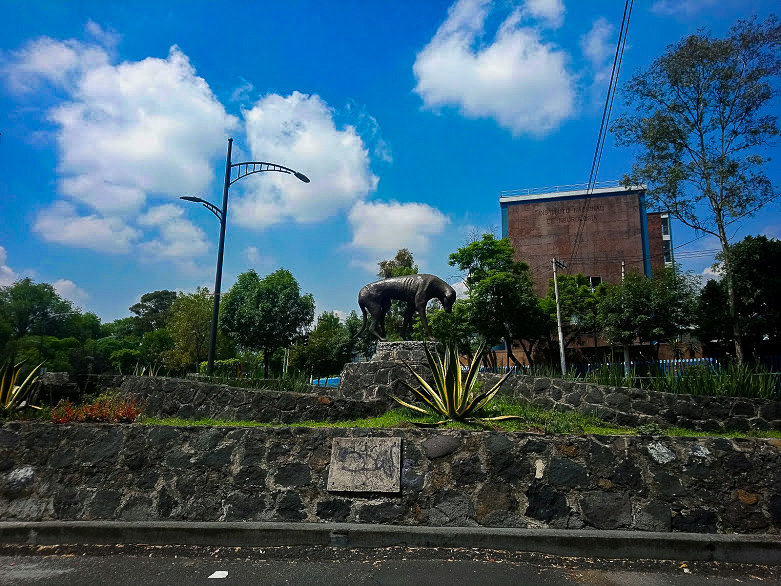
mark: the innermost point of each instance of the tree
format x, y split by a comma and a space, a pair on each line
266, 314
578, 308
152, 310
29, 307
501, 297
190, 325
326, 349
657, 309
699, 123
401, 264
756, 270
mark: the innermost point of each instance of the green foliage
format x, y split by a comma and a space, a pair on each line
230, 368
502, 302
402, 264
189, 323
326, 350
756, 274
266, 314
14, 397
291, 383
125, 360
30, 307
452, 395
152, 310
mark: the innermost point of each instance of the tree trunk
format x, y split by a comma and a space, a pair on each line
528, 351
733, 312
509, 342
265, 362
626, 360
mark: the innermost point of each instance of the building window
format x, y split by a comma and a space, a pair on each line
665, 225
668, 253
594, 282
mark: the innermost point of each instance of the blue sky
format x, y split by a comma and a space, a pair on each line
408, 117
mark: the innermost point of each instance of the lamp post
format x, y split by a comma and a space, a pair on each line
244, 169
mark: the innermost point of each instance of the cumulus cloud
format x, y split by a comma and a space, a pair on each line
178, 239
60, 223
680, 7
381, 229
255, 258
710, 273
599, 50
298, 131
518, 79
7, 275
549, 11
67, 289
126, 133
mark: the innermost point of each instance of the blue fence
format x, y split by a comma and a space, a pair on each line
331, 381
771, 363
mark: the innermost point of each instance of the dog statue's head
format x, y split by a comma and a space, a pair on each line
448, 298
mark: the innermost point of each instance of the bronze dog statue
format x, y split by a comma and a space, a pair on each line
417, 290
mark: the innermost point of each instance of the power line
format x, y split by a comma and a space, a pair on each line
611, 92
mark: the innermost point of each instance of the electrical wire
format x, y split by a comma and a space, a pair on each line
620, 45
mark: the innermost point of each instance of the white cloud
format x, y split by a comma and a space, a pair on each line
7, 275
519, 80
460, 288
126, 133
709, 273
680, 7
381, 229
141, 128
255, 258
61, 224
67, 289
298, 131
598, 49
178, 239
550, 11
44, 59
242, 93
106, 37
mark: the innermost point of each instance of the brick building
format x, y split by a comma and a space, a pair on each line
610, 224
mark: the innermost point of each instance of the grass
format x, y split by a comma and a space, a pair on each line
533, 420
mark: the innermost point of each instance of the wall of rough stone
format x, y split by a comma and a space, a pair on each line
448, 478
188, 399
379, 379
634, 407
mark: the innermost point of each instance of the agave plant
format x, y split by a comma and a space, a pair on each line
13, 397
452, 395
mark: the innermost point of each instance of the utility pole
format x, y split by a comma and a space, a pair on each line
557, 264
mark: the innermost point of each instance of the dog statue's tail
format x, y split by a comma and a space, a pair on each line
365, 320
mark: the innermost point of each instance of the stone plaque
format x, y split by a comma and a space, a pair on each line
365, 464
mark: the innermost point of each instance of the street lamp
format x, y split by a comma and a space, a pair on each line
244, 169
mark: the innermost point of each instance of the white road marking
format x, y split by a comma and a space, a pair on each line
219, 574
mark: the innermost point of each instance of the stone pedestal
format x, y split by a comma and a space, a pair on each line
381, 377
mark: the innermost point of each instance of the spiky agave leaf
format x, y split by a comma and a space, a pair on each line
12, 396
451, 394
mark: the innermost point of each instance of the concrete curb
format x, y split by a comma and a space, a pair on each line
748, 549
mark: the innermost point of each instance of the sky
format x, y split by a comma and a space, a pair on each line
408, 117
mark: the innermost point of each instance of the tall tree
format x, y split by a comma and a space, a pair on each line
31, 308
266, 314
700, 123
326, 349
152, 310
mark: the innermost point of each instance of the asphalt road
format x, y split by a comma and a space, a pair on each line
314, 566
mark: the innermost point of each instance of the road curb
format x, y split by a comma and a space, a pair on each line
749, 549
